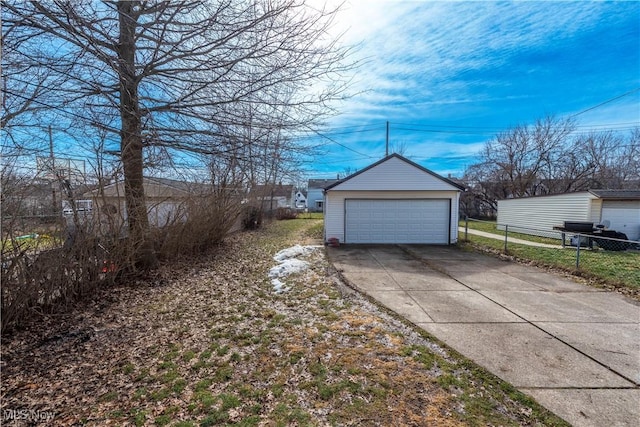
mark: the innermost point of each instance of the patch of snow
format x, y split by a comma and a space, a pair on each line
287, 267
289, 264
278, 286
294, 251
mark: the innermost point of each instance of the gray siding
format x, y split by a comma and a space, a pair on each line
313, 194
548, 211
392, 178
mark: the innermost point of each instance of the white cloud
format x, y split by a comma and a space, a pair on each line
476, 64
415, 46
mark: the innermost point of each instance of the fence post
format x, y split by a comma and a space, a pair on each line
466, 228
578, 252
506, 233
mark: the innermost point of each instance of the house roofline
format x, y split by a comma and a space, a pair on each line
148, 179
404, 159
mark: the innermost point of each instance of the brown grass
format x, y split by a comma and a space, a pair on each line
207, 342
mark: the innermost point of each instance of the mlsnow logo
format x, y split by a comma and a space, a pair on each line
33, 415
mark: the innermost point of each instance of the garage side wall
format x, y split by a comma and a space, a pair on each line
545, 212
334, 219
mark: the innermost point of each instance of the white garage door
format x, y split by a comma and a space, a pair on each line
623, 216
397, 221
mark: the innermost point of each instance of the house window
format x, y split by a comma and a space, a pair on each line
319, 204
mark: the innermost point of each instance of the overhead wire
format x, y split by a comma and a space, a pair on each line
400, 126
605, 102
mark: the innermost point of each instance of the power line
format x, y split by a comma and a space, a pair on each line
348, 148
469, 130
498, 129
605, 102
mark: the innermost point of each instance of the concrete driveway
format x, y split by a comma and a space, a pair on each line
574, 348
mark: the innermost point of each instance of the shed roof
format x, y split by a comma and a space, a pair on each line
603, 194
616, 194
403, 159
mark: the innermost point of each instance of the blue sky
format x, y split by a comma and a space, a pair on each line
450, 75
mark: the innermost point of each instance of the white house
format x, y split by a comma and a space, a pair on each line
392, 201
300, 200
619, 210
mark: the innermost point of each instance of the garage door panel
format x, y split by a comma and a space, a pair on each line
397, 221
623, 216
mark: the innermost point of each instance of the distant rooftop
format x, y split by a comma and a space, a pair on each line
272, 190
321, 183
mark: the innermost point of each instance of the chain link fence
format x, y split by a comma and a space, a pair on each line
560, 239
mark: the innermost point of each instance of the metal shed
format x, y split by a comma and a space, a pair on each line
618, 209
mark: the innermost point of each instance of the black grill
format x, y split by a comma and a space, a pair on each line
578, 227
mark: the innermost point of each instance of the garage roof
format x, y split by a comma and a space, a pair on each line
408, 162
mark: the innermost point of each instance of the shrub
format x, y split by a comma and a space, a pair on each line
47, 280
202, 223
286, 213
46, 275
251, 218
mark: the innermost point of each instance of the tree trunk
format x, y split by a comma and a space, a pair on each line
131, 140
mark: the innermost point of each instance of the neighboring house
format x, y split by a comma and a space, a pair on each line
29, 197
315, 193
393, 201
300, 201
273, 196
40, 197
165, 199
619, 210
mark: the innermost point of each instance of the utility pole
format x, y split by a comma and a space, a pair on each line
386, 151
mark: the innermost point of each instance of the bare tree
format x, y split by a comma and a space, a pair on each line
400, 147
170, 72
346, 172
549, 157
523, 157
629, 160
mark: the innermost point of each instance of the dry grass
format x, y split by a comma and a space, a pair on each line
207, 342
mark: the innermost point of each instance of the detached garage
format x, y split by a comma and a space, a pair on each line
392, 201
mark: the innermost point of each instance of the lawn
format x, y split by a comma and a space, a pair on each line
491, 227
310, 215
619, 270
208, 342
30, 243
